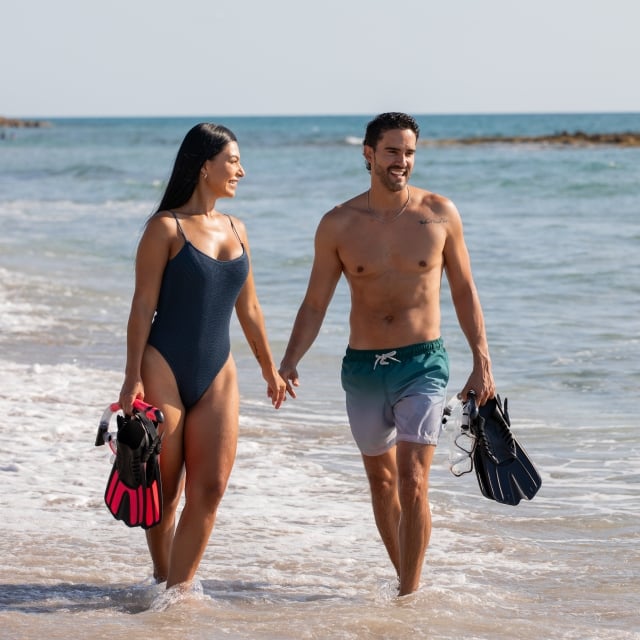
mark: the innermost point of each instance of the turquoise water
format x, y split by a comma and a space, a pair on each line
554, 236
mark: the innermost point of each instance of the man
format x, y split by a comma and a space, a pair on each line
392, 244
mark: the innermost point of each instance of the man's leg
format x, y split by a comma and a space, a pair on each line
413, 466
383, 481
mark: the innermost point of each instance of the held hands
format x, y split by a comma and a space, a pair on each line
290, 376
276, 388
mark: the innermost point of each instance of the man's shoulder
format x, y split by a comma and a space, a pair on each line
344, 211
436, 202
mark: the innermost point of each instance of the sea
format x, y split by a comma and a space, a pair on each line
554, 237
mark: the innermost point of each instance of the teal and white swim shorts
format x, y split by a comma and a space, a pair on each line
396, 395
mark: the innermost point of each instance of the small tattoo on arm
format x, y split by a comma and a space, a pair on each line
433, 221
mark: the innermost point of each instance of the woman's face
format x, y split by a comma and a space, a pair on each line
224, 171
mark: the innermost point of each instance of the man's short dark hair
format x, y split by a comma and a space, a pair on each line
388, 122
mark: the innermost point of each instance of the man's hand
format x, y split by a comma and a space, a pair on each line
290, 376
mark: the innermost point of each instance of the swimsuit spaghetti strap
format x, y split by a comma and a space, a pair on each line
175, 217
234, 230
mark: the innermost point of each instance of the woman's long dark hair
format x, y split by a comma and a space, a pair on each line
203, 142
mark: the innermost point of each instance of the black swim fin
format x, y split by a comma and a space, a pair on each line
503, 469
134, 488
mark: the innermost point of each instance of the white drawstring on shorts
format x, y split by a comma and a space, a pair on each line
383, 358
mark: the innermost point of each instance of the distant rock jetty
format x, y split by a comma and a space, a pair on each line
577, 138
15, 123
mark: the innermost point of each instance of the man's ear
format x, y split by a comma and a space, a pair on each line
368, 153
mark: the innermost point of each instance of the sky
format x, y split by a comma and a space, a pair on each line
301, 57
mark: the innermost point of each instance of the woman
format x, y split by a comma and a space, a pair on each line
192, 268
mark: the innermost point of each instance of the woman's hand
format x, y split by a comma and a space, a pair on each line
131, 389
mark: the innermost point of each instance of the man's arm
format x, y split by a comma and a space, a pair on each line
468, 309
325, 274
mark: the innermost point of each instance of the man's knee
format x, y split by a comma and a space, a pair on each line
412, 487
382, 483
381, 474
413, 473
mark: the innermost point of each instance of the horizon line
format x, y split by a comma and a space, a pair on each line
311, 115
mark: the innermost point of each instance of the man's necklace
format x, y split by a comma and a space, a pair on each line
395, 216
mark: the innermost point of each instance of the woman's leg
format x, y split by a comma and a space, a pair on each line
210, 441
161, 391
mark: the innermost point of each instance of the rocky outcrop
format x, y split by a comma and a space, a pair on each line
577, 138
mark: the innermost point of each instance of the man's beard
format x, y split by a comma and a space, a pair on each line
391, 183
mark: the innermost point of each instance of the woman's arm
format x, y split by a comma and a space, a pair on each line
251, 320
151, 258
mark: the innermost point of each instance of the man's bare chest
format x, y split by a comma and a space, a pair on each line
368, 254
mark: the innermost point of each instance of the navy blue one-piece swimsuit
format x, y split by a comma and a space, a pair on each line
191, 325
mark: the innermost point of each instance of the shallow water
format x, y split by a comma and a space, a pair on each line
553, 236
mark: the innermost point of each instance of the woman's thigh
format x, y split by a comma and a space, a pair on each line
211, 432
161, 390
